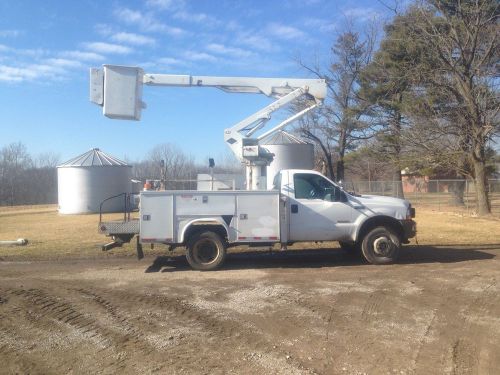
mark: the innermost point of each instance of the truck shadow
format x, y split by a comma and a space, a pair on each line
319, 258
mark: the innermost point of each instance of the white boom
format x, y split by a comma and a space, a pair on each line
118, 89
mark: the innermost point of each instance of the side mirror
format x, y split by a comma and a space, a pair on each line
343, 197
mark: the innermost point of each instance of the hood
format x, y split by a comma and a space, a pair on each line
390, 206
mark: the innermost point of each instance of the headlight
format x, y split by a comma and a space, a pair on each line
410, 212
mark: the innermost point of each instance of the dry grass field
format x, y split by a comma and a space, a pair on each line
52, 236
67, 307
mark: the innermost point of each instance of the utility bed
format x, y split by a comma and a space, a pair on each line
249, 216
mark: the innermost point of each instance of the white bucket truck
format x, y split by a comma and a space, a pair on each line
303, 206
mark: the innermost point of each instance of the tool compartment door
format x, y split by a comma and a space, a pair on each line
258, 217
157, 217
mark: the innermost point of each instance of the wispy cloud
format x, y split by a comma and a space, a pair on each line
146, 21
201, 18
361, 14
10, 33
165, 4
284, 31
131, 38
102, 47
103, 29
300, 3
320, 24
169, 61
33, 53
30, 72
63, 63
82, 55
226, 50
254, 40
199, 56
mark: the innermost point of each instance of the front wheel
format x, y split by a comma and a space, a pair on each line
381, 246
206, 251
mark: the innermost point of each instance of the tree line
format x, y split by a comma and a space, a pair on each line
423, 98
28, 180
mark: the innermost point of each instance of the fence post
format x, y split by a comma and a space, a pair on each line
439, 195
467, 195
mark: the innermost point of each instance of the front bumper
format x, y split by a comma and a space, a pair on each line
409, 229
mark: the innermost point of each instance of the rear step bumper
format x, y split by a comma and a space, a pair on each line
112, 228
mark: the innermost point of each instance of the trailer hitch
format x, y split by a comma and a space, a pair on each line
118, 241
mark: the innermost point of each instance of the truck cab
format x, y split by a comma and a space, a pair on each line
320, 210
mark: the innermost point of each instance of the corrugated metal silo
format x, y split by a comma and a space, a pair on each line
86, 180
289, 152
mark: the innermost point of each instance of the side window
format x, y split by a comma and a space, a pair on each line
304, 189
312, 186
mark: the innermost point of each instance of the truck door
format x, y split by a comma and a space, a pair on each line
318, 209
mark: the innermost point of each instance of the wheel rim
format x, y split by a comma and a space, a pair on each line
205, 252
383, 246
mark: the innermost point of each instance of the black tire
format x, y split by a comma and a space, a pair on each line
381, 246
206, 251
351, 248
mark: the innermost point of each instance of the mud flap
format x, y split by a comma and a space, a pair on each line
140, 253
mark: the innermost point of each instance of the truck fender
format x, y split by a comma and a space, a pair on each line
206, 221
378, 220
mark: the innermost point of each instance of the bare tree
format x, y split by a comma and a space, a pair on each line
341, 123
14, 160
165, 161
225, 162
460, 66
47, 160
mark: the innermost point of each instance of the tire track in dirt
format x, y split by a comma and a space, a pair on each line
51, 308
372, 306
14, 351
462, 354
130, 330
216, 328
330, 319
465, 349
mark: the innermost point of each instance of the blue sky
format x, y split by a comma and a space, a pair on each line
47, 48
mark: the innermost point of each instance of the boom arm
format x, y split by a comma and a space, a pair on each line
118, 89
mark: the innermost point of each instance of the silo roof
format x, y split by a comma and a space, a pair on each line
94, 158
281, 138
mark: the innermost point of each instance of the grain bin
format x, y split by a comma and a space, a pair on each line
86, 180
289, 152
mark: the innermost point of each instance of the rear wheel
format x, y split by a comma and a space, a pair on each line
381, 246
206, 251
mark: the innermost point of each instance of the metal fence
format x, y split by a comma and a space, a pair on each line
213, 184
441, 195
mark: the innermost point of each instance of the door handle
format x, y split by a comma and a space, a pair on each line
294, 208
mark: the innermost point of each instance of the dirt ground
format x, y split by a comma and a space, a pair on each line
298, 312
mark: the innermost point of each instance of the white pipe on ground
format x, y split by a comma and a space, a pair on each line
18, 242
